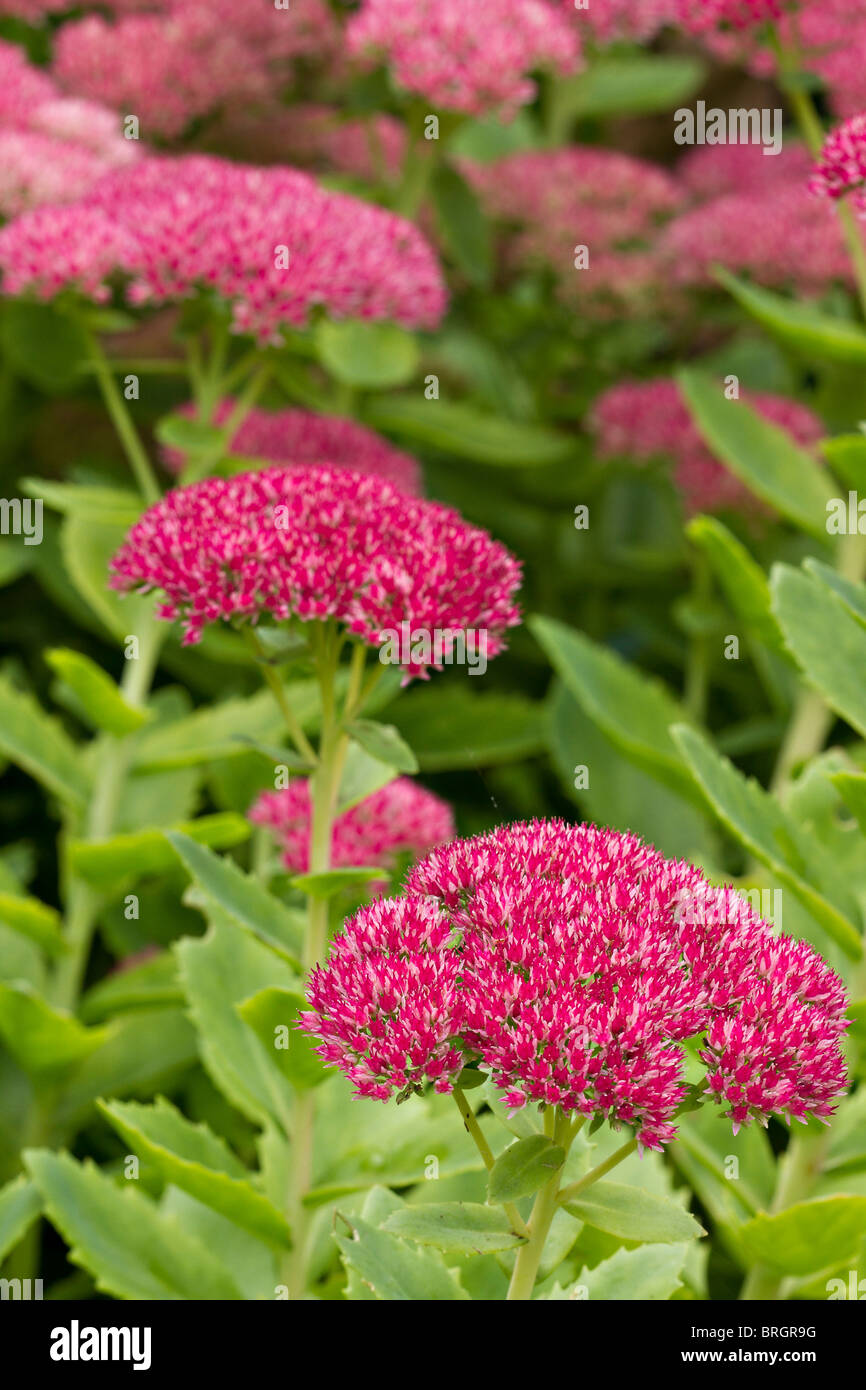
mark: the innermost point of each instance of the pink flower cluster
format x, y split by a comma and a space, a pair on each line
319, 543
700, 15
573, 962
841, 169
300, 437
171, 67
270, 241
52, 150
400, 818
462, 57
611, 203
610, 21
645, 419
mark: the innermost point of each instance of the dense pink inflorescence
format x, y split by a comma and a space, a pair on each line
471, 58
401, 818
319, 543
613, 20
611, 203
573, 961
300, 437
645, 419
700, 15
781, 237
270, 241
712, 171
841, 168
191, 57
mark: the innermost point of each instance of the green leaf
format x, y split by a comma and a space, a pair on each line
88, 546
96, 693
851, 786
649, 1274
20, 1204
223, 730
143, 1052
852, 594
632, 86
33, 919
109, 505
272, 1014
459, 429
462, 225
454, 729
757, 819
48, 348
846, 455
807, 611
37, 743
44, 1041
327, 884
362, 776
152, 983
741, 578
242, 898
523, 1168
220, 971
807, 1236
188, 435
799, 326
761, 454
393, 1270
458, 1228
632, 709
374, 356
128, 858
383, 742
634, 1214
195, 1160
133, 1250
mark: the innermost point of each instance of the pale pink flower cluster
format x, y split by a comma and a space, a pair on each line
841, 168
611, 203
401, 818
572, 963
319, 543
700, 15
642, 420
172, 67
779, 236
52, 150
611, 21
300, 437
711, 171
272, 242
465, 57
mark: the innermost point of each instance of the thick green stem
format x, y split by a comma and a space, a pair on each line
123, 424
200, 465
529, 1256
271, 676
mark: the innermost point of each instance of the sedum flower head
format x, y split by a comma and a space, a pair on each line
300, 437
574, 962
463, 57
645, 419
841, 167
402, 817
320, 543
698, 16
271, 242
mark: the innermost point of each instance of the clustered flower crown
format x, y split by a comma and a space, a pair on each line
573, 962
319, 543
402, 817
